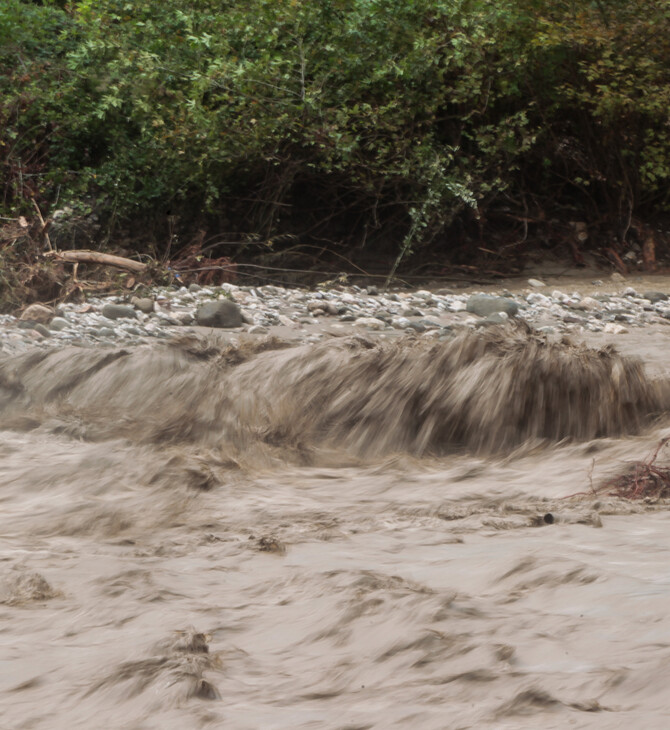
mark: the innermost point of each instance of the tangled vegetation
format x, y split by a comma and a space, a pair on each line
359, 126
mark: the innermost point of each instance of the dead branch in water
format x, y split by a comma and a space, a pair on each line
95, 257
639, 480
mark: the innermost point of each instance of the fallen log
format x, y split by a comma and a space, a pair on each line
95, 257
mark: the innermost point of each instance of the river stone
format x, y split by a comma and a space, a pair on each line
144, 304
222, 314
652, 296
42, 329
614, 329
40, 313
589, 304
493, 319
540, 299
371, 323
536, 283
118, 311
183, 318
58, 323
417, 327
400, 323
484, 305
320, 305
258, 329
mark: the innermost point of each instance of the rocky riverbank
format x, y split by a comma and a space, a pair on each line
613, 308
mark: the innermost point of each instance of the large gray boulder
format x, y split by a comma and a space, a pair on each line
655, 296
484, 305
38, 313
118, 311
223, 313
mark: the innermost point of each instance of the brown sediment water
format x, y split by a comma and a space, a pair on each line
341, 535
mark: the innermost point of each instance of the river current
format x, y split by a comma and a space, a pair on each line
338, 535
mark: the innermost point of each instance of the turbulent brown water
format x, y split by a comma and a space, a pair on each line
341, 535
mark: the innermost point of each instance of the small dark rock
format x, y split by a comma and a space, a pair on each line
204, 690
222, 313
270, 544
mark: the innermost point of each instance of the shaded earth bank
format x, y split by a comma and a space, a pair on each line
344, 534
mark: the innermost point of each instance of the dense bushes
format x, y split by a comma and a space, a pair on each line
348, 118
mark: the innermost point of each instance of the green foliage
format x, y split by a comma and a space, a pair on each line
427, 107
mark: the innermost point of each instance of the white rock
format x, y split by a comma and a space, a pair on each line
536, 283
458, 306
183, 317
558, 294
537, 298
371, 323
590, 303
614, 329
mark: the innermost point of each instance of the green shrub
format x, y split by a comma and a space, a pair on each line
418, 111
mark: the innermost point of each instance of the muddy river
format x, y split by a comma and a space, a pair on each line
342, 535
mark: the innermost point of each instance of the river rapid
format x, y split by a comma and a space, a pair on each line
347, 534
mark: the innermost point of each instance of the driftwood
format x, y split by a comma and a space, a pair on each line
45, 225
95, 257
